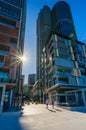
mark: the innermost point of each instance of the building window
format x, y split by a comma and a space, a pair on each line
54, 80
4, 74
1, 61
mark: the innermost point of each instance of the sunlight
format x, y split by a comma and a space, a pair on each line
22, 58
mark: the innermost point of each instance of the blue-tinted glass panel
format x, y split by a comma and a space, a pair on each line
13, 2
9, 11
4, 74
4, 53
1, 64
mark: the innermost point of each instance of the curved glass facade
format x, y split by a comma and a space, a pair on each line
62, 21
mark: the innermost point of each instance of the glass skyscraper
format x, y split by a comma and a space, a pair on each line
62, 70
12, 29
43, 30
62, 21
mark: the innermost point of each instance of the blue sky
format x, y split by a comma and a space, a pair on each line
78, 9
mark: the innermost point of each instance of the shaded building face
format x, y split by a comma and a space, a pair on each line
62, 21
12, 27
9, 29
43, 31
31, 79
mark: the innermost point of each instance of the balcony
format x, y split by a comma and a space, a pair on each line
11, 32
7, 80
1, 64
63, 46
63, 74
82, 63
64, 53
64, 62
63, 82
77, 50
67, 80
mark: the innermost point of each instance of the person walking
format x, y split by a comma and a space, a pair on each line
53, 104
47, 103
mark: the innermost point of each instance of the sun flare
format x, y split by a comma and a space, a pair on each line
22, 58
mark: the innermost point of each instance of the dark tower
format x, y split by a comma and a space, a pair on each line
62, 21
43, 31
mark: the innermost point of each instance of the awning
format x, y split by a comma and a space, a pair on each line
10, 86
64, 87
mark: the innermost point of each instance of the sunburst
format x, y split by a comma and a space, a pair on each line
17, 58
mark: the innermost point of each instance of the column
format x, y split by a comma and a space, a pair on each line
2, 98
76, 97
66, 99
49, 95
83, 97
10, 100
43, 98
57, 99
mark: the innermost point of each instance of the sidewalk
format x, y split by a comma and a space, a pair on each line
37, 117
39, 109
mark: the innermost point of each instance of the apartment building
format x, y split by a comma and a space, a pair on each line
64, 70
12, 28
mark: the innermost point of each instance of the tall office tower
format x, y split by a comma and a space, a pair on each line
12, 28
43, 30
31, 79
62, 58
31, 82
62, 21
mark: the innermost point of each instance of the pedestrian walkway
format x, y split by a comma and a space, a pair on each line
37, 117
39, 109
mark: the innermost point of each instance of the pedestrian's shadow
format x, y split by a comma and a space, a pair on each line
51, 110
58, 110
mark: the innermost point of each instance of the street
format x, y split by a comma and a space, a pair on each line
37, 117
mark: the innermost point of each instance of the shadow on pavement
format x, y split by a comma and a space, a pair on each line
58, 110
51, 110
11, 121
